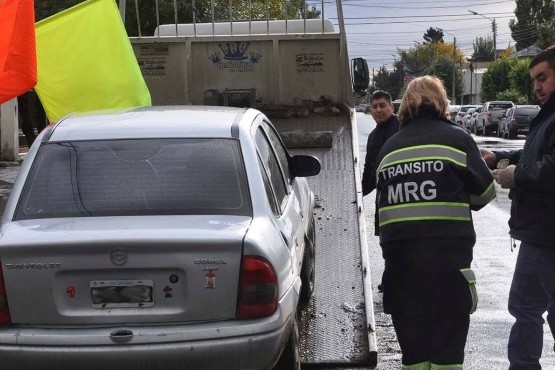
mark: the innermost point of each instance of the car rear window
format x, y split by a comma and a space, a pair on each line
530, 112
136, 177
500, 106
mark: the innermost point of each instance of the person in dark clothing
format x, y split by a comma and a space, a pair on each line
387, 124
31, 115
530, 177
25, 117
430, 176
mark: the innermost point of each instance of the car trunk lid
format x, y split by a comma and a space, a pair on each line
103, 270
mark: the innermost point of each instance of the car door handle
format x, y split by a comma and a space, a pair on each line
121, 336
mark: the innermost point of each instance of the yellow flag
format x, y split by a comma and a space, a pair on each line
86, 62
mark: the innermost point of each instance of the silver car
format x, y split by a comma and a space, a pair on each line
157, 238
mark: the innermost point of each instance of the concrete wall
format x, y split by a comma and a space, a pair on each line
472, 96
284, 69
9, 132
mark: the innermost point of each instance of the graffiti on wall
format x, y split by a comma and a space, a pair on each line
153, 60
235, 57
310, 63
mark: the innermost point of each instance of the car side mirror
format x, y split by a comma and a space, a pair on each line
304, 166
359, 75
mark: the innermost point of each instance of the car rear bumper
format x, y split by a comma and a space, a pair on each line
256, 352
247, 344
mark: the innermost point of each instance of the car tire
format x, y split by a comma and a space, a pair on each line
290, 358
308, 272
512, 134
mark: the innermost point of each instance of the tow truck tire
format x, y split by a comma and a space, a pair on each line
290, 358
308, 270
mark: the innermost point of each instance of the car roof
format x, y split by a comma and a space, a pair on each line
150, 122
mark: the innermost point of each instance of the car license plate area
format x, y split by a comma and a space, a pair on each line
121, 293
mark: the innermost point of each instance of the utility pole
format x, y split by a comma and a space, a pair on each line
453, 92
454, 69
494, 26
494, 40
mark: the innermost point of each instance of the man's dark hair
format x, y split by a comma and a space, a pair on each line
380, 94
546, 55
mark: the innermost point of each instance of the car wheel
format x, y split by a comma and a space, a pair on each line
309, 269
512, 134
290, 358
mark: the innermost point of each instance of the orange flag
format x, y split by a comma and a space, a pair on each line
18, 55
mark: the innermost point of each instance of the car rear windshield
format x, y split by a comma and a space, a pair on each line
500, 106
136, 177
530, 112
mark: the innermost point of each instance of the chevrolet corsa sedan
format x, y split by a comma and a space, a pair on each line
157, 238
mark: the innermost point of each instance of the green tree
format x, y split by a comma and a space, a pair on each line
495, 79
483, 49
519, 78
546, 35
511, 95
530, 16
47, 8
434, 59
433, 36
390, 81
204, 11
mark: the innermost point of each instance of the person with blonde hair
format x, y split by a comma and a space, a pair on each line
429, 178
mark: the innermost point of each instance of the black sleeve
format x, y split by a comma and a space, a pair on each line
539, 175
369, 173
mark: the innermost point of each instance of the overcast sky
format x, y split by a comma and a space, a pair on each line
375, 29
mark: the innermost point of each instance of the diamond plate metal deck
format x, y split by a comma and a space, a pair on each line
334, 328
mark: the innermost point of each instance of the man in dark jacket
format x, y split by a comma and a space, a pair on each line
387, 124
531, 178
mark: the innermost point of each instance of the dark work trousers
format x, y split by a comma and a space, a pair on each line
532, 294
25, 117
429, 300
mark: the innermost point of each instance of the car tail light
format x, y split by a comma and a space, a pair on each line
490, 115
258, 291
4, 311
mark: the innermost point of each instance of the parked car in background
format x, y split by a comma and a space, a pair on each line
396, 105
361, 108
472, 120
453, 109
487, 121
467, 117
516, 120
461, 113
178, 237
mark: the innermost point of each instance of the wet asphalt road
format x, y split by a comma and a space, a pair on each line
493, 264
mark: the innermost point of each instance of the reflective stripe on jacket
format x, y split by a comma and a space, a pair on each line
430, 176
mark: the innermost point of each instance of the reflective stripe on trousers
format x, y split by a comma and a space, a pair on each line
471, 278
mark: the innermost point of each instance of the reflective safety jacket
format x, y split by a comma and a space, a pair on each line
429, 178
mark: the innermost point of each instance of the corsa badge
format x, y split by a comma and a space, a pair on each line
210, 279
